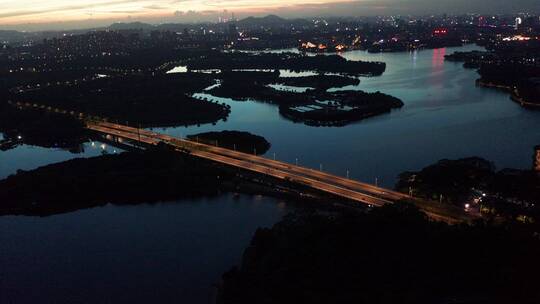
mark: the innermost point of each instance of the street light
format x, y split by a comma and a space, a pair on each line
139, 133
296, 161
347, 173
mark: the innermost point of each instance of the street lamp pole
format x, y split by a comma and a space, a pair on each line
139, 134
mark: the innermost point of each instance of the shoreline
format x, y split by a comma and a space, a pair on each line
514, 93
59, 184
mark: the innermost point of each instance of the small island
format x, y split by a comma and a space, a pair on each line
315, 107
321, 82
340, 108
126, 178
287, 61
234, 140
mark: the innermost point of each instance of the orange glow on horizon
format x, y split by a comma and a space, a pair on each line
46, 11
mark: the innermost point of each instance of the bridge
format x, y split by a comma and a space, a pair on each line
353, 190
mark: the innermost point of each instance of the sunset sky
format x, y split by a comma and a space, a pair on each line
22, 11
76, 13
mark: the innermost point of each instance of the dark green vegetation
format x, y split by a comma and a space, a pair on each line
510, 75
527, 91
510, 66
128, 84
470, 59
392, 254
40, 128
289, 61
160, 100
340, 108
116, 52
315, 107
240, 141
23, 80
451, 178
125, 178
509, 192
323, 82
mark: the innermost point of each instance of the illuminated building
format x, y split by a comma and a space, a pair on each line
308, 45
340, 47
517, 38
519, 21
440, 32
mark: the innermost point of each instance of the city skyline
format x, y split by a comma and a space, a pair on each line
63, 14
248, 151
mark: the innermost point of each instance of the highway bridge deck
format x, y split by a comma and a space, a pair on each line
322, 181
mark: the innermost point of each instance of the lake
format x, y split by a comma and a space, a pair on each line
175, 251
170, 252
445, 116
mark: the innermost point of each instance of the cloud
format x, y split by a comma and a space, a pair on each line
13, 12
155, 7
52, 9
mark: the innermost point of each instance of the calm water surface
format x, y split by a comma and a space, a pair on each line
174, 252
163, 253
26, 157
445, 116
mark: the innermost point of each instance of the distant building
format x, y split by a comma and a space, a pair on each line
518, 23
440, 32
536, 165
233, 30
482, 21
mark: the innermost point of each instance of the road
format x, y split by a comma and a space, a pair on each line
297, 170
240, 160
329, 183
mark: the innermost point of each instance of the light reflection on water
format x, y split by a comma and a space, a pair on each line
164, 253
27, 157
445, 116
151, 253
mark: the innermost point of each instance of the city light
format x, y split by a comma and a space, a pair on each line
343, 91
